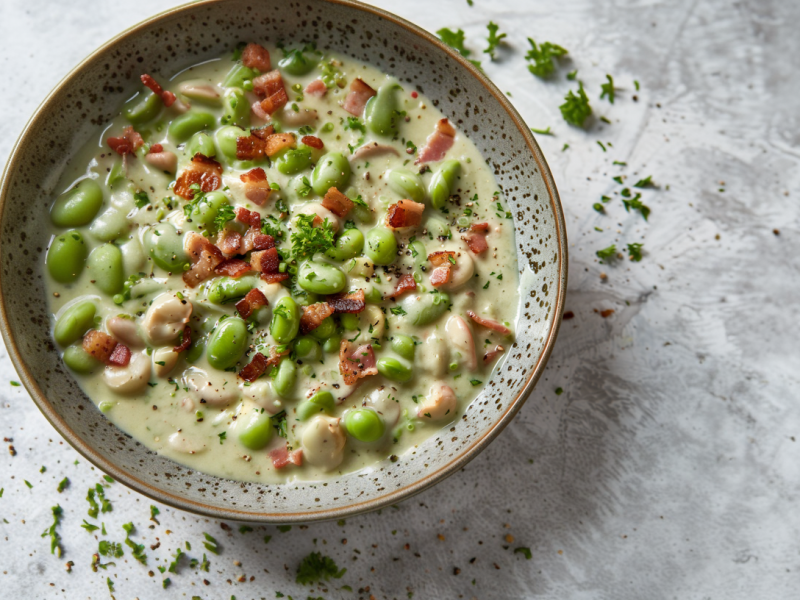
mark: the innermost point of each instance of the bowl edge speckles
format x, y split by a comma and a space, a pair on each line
94, 91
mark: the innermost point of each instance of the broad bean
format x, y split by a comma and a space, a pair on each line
285, 378
331, 345
236, 109
238, 75
200, 142
422, 309
227, 343
228, 289
322, 401
332, 170
393, 369
325, 329
74, 322
293, 161
204, 212
226, 140
349, 245
165, 246
320, 278
186, 125
443, 183
307, 348
403, 345
110, 225
258, 431
406, 184
285, 320
77, 206
364, 424
66, 257
80, 361
350, 322
381, 246
296, 63
143, 107
381, 111
105, 268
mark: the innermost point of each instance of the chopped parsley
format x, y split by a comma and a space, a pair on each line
635, 251
576, 109
475, 382
15, 383
304, 189
455, 39
526, 552
635, 203
62, 485
225, 214
315, 568
141, 199
398, 310
154, 512
307, 240
572, 75
111, 549
598, 207
542, 131
245, 529
284, 528
541, 57
354, 124
89, 527
136, 549
210, 544
645, 183
55, 538
559, 391
607, 253
279, 423
494, 40
608, 89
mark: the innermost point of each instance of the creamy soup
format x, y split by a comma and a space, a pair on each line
280, 272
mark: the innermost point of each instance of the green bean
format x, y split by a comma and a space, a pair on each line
325, 329
381, 111
200, 142
238, 75
189, 123
285, 378
349, 322
227, 343
143, 107
74, 322
258, 432
165, 246
331, 345
418, 252
393, 369
228, 289
332, 170
406, 184
423, 309
321, 402
443, 183
296, 63
381, 246
403, 345
80, 361
77, 206
236, 109
285, 320
294, 161
307, 348
203, 213
105, 268
364, 424
226, 140
349, 245
110, 225
320, 278
66, 256
438, 228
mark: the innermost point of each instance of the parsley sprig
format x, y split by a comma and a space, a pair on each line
541, 57
307, 240
455, 39
576, 109
494, 39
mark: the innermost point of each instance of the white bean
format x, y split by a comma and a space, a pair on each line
211, 388
166, 318
440, 403
186, 444
125, 331
386, 402
262, 394
163, 161
461, 272
460, 337
200, 90
130, 378
434, 355
164, 360
323, 442
305, 116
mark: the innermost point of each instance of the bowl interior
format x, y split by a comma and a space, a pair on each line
94, 92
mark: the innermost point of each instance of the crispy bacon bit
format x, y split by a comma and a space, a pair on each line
151, 83
265, 261
204, 255
186, 340
440, 276
255, 369
479, 227
256, 186
274, 277
569, 315
120, 357
281, 457
354, 365
405, 213
406, 283
99, 345
313, 316
275, 102
229, 241
255, 56
492, 354
316, 88
476, 242
442, 258
204, 171
313, 142
438, 143
263, 133
250, 148
268, 84
255, 240
248, 217
336, 202
606, 313
348, 303
155, 149
168, 98
128, 143
489, 323
356, 100
254, 300
232, 267
277, 142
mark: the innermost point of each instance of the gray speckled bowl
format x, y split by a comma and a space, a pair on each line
95, 90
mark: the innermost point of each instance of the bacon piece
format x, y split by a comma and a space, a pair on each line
479, 227
168, 98
316, 88
229, 241
255, 369
476, 242
406, 283
313, 316
248, 217
268, 84
256, 186
489, 323
128, 143
262, 133
440, 276
281, 457
275, 102
265, 261
336, 202
255, 56
356, 364
250, 148
120, 356
232, 267
274, 277
442, 258
204, 255
99, 345
492, 354
155, 149
348, 303
255, 240
186, 340
313, 142
254, 300
203, 171
277, 142
438, 143
356, 100
405, 213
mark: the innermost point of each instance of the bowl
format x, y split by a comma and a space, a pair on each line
166, 43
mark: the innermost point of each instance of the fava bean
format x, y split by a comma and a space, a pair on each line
438, 228
393, 369
418, 252
307, 348
195, 351
204, 212
200, 142
228, 289
406, 184
349, 245
105, 268
285, 320
381, 111
320, 278
332, 170
132, 255
165, 246
364, 424
77, 206
294, 161
443, 183
143, 107
285, 378
331, 345
110, 225
74, 322
238, 75
80, 361
381, 246
325, 329
296, 63
403, 345
423, 309
373, 295
226, 140
227, 343
322, 401
258, 431
66, 257
349, 321
236, 109
186, 125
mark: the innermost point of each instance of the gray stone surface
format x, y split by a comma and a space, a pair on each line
668, 468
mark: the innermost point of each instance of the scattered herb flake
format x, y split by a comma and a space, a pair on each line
576, 109
62, 485
315, 568
608, 89
541, 57
607, 253
542, 131
55, 538
526, 552
635, 251
494, 40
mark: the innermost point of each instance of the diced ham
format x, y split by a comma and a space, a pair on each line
281, 457
348, 303
274, 277
356, 100
267, 84
438, 143
476, 242
356, 364
440, 275
255, 368
256, 186
265, 261
128, 143
373, 149
275, 102
99, 345
336, 202
204, 256
443, 257
492, 354
232, 267
120, 356
489, 323
405, 213
229, 241
255, 56
186, 340
248, 217
313, 316
479, 227
204, 171
277, 142
313, 142
316, 88
254, 300
405, 283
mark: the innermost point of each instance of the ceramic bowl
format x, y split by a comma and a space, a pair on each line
95, 90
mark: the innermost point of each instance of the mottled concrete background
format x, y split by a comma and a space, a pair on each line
668, 468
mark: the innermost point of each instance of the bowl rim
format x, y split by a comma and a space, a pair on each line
394, 496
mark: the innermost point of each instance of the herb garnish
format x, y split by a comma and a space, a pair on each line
494, 40
541, 57
576, 109
635, 251
607, 253
315, 567
307, 240
55, 538
455, 39
608, 89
